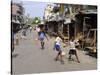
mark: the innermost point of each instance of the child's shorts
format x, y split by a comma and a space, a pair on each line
72, 51
41, 39
57, 47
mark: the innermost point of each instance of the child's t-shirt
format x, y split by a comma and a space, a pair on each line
42, 35
72, 45
58, 41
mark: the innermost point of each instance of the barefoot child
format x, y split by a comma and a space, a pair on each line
57, 47
72, 50
42, 36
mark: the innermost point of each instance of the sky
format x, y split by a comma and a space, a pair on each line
33, 8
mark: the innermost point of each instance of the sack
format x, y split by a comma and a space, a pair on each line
63, 53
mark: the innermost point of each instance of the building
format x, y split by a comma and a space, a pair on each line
52, 18
68, 19
17, 13
75, 16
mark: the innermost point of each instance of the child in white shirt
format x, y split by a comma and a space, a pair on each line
73, 50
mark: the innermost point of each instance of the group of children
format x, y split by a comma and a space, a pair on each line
72, 49
57, 46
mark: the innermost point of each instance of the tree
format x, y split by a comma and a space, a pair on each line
36, 20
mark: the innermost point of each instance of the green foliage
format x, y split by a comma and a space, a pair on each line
36, 20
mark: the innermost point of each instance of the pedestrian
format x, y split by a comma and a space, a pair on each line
38, 30
17, 38
42, 35
30, 29
73, 50
24, 33
57, 47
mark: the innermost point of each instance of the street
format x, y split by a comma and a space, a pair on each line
28, 58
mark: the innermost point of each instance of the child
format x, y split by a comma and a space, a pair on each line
38, 30
73, 50
42, 36
30, 28
57, 47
